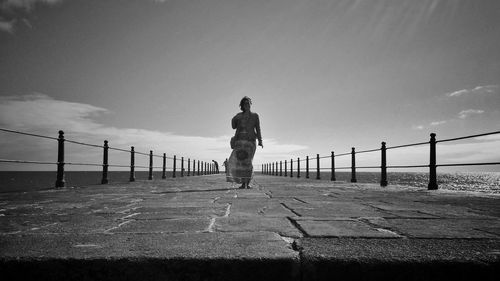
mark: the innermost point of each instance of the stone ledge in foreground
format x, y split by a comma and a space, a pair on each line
399, 259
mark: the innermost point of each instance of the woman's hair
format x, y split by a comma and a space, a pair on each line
245, 98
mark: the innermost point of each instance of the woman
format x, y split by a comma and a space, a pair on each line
247, 127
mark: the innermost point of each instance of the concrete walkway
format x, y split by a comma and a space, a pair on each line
202, 228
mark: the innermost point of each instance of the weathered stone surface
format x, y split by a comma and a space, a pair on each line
282, 226
202, 228
343, 228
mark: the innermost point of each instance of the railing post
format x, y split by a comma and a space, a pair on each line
60, 181
281, 168
307, 167
189, 167
164, 168
285, 168
432, 164
332, 178
291, 168
298, 167
198, 167
150, 176
105, 164
353, 165
182, 166
272, 171
132, 164
383, 166
318, 175
276, 173
175, 166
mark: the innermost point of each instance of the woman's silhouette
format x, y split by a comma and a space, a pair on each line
247, 127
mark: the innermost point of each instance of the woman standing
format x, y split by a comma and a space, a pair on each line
247, 127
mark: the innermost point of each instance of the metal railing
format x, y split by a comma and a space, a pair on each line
272, 168
198, 167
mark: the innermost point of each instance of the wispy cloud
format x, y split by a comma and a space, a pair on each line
437, 123
476, 90
39, 113
7, 26
469, 112
25, 4
16, 11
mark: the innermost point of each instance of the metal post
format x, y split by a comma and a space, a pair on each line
285, 169
318, 176
281, 168
307, 167
150, 176
272, 171
276, 173
60, 181
132, 164
333, 168
383, 166
175, 166
182, 166
164, 168
189, 167
291, 168
353, 165
198, 167
298, 167
432, 164
105, 164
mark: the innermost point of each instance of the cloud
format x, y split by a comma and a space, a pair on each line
418, 127
40, 114
25, 4
477, 90
16, 10
469, 112
7, 26
437, 123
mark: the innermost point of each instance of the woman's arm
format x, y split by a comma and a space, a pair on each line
257, 129
234, 122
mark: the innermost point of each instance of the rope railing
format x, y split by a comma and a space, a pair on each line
203, 167
277, 170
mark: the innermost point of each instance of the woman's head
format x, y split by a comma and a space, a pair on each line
245, 103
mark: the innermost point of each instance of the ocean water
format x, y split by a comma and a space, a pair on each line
487, 182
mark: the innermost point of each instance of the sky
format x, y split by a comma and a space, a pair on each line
323, 75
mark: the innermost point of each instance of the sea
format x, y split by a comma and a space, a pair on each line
483, 182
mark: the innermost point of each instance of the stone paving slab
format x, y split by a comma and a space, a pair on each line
281, 229
399, 259
343, 228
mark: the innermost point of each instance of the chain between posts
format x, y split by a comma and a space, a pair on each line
383, 161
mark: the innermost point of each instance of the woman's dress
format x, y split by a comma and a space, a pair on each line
240, 168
